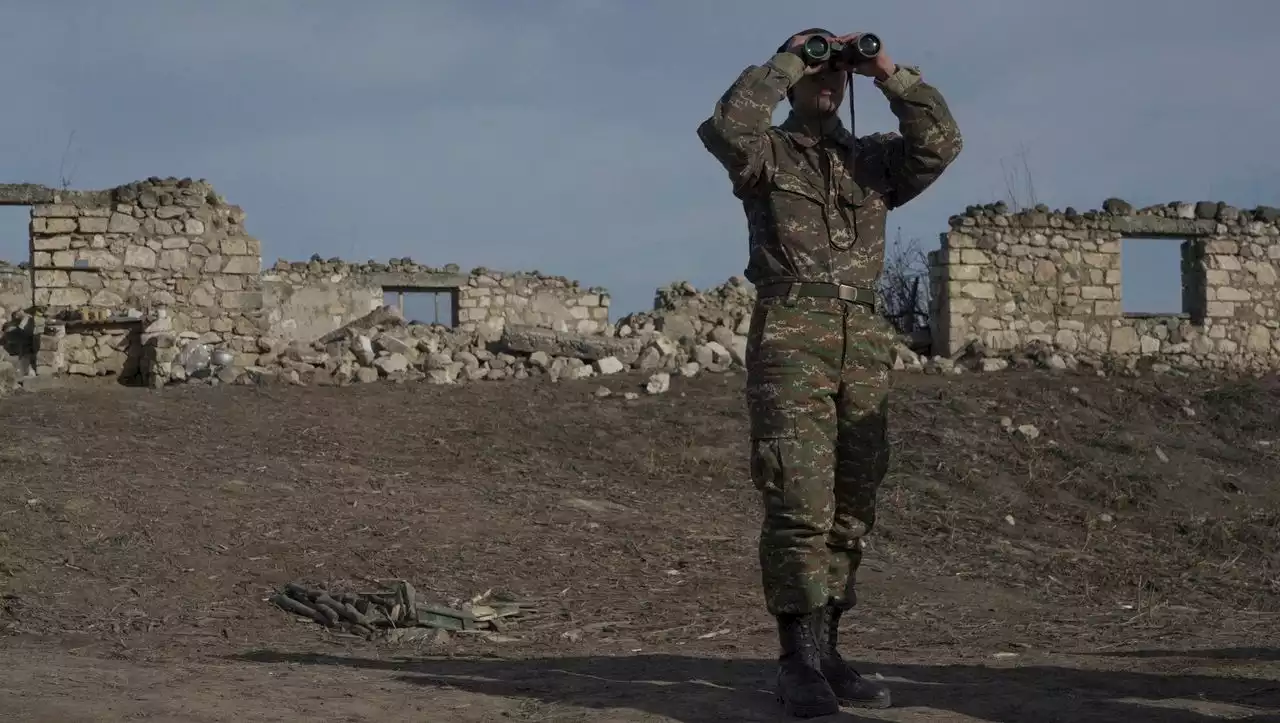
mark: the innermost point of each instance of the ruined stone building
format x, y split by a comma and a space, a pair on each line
110, 270
1007, 280
118, 279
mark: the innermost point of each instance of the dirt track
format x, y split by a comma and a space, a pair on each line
141, 532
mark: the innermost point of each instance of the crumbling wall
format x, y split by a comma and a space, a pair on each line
17, 343
129, 280
154, 278
115, 268
171, 244
492, 299
1005, 281
306, 300
15, 289
310, 298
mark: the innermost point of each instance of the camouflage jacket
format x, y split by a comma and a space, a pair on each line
816, 199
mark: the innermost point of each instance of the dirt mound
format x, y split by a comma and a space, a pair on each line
1024, 510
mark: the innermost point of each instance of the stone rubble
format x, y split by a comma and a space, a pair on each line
173, 266
384, 346
691, 333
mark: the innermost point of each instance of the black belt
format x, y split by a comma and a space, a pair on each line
854, 294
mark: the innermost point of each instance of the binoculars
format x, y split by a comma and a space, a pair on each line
819, 49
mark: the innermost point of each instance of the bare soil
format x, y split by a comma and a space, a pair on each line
1121, 562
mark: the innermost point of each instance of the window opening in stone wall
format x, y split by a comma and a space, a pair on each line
424, 306
15, 235
1153, 277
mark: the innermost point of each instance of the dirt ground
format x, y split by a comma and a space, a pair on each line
1118, 563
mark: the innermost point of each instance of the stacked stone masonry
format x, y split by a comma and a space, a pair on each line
159, 282
310, 298
112, 269
120, 282
1005, 281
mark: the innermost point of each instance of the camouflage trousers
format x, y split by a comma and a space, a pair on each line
817, 392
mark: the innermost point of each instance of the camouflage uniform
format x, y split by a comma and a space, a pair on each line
818, 354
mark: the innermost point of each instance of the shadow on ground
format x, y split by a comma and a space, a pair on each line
700, 690
1242, 654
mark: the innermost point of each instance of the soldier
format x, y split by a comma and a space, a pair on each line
818, 353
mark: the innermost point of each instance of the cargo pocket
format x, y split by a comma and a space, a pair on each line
850, 198
788, 188
796, 204
766, 464
770, 371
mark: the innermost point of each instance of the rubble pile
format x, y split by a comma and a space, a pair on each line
689, 333
682, 313
383, 346
976, 357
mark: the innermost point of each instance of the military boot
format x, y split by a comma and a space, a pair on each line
850, 687
803, 691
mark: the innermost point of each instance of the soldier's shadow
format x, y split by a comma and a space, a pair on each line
701, 690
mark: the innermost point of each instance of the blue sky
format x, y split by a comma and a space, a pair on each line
559, 134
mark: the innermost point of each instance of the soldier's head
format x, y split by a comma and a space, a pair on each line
820, 93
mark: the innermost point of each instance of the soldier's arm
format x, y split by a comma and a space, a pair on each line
736, 132
927, 142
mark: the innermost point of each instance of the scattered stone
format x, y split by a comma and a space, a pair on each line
994, 365
1028, 431
659, 383
1034, 288
528, 340
447, 375
609, 365
392, 363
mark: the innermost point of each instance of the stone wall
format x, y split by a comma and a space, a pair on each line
1003, 281
115, 267
16, 341
128, 280
15, 289
307, 299
171, 244
492, 299
158, 280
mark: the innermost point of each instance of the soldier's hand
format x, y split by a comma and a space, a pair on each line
879, 67
797, 42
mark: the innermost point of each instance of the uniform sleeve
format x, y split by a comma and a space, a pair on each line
737, 131
927, 141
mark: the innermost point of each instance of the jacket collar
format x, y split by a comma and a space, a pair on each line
807, 132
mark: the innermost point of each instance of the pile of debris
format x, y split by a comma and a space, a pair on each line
384, 346
719, 315
395, 614
688, 333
